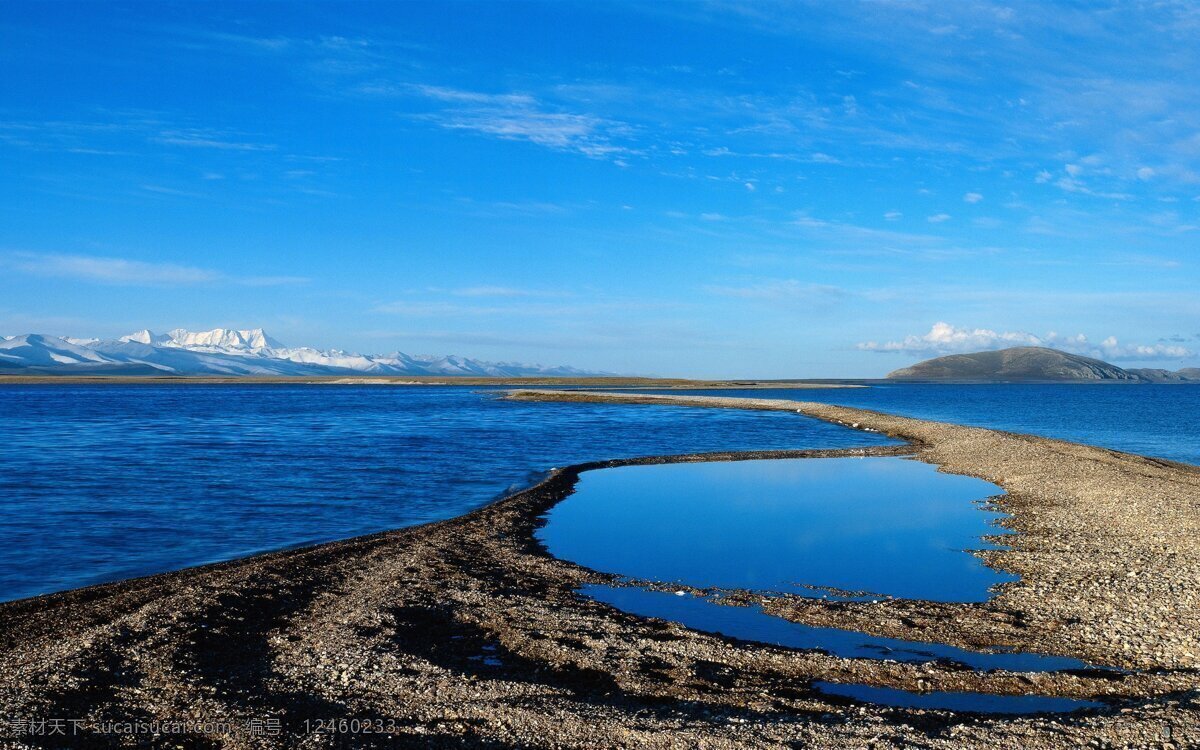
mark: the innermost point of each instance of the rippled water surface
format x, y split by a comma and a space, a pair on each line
105, 482
1153, 420
886, 526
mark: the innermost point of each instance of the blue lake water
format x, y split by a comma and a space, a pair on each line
99, 483
1152, 420
884, 526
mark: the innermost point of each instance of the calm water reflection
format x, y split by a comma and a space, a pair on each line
888, 526
752, 624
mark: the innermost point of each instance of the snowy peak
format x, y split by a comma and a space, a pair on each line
145, 336
45, 350
35, 350
224, 351
216, 339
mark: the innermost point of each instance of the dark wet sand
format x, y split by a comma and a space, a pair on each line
465, 633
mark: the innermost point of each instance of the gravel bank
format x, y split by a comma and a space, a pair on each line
464, 633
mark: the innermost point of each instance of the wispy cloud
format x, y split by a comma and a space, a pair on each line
270, 280
845, 238
516, 116
1072, 179
584, 338
513, 305
783, 290
992, 80
565, 132
447, 94
501, 209
505, 291
193, 138
944, 338
122, 271
164, 190
108, 270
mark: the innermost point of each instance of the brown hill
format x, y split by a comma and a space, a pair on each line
1022, 363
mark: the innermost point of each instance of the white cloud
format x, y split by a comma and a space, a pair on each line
1113, 349
1043, 177
893, 215
1072, 185
1145, 173
938, 218
973, 197
944, 338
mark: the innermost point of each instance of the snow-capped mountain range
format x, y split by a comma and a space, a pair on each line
223, 351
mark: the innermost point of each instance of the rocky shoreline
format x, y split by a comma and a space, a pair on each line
466, 633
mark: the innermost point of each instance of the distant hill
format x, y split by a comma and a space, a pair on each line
1186, 375
231, 353
1034, 364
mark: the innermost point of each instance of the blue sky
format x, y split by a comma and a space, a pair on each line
711, 189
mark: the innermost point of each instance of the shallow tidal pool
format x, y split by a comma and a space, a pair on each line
880, 526
838, 527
